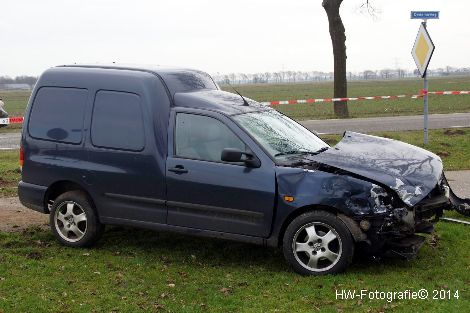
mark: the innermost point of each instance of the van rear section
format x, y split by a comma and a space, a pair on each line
89, 127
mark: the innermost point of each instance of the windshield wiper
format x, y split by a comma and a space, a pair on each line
321, 150
292, 152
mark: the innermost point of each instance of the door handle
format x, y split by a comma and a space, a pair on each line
178, 169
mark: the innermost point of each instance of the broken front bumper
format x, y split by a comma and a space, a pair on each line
395, 234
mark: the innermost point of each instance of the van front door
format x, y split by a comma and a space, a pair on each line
204, 192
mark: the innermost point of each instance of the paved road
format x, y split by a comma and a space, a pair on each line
459, 181
393, 123
9, 141
364, 125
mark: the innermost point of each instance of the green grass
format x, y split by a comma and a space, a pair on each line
12, 128
138, 270
452, 145
369, 108
9, 173
15, 101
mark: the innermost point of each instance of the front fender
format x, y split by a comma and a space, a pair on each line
344, 194
312, 187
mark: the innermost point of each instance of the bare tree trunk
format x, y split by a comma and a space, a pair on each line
338, 39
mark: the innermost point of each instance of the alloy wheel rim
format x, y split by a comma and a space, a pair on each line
70, 221
317, 246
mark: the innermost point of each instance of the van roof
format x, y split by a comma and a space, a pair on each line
176, 79
142, 68
188, 88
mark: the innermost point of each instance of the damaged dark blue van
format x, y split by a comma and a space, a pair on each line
166, 149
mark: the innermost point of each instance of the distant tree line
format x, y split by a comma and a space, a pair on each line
279, 77
6, 82
317, 76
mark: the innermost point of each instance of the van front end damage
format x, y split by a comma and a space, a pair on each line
386, 192
393, 230
396, 232
375, 216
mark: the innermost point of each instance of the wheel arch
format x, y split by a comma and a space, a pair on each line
351, 225
297, 213
62, 186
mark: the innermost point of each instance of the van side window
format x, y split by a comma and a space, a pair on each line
203, 138
117, 121
57, 114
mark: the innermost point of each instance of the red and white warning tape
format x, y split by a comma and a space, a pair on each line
446, 92
11, 120
19, 119
422, 93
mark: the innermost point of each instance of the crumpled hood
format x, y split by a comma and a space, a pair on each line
409, 170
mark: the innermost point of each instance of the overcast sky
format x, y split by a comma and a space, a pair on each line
223, 35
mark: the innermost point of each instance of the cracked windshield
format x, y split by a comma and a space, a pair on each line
280, 135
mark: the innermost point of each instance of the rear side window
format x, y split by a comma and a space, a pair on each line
117, 121
57, 114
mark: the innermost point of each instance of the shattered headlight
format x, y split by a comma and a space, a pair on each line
378, 202
382, 200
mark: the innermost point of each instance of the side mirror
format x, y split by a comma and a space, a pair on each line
234, 155
231, 155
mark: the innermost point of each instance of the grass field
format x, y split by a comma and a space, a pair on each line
16, 100
9, 173
452, 145
134, 270
370, 108
137, 270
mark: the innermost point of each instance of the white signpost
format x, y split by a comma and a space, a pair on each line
422, 53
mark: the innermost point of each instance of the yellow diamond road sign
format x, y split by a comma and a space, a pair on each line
422, 50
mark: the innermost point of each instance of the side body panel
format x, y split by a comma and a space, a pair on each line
131, 184
123, 184
219, 196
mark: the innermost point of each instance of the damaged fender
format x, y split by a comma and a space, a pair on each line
349, 196
410, 171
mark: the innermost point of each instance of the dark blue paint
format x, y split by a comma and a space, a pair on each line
409, 170
221, 101
134, 177
226, 186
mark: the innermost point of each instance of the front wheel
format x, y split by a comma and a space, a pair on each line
74, 221
318, 243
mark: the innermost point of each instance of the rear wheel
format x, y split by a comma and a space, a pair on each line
318, 243
74, 221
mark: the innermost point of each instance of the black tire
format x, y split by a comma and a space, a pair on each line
70, 227
314, 246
